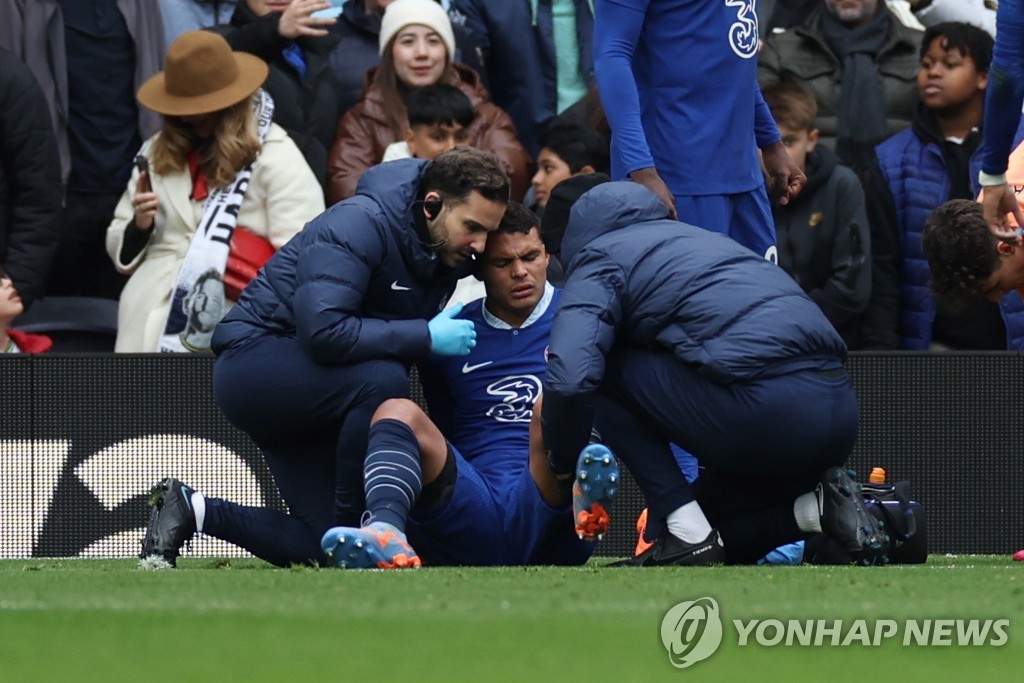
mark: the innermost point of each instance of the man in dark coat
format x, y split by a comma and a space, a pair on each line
30, 185
539, 57
670, 333
90, 57
860, 63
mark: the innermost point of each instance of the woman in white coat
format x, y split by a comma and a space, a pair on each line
217, 166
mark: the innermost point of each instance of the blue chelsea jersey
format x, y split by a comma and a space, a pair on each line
484, 401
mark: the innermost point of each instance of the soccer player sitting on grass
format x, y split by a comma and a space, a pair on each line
471, 484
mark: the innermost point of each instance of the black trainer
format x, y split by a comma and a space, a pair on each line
670, 551
846, 520
171, 523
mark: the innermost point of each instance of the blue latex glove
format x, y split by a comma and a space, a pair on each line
450, 337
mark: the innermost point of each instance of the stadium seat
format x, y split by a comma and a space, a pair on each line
77, 324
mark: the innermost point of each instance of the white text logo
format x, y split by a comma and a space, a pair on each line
839, 633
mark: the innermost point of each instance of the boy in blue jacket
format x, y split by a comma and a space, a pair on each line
936, 160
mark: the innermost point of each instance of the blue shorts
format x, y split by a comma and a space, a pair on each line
495, 521
746, 217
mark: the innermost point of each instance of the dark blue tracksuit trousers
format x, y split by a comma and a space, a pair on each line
311, 423
761, 442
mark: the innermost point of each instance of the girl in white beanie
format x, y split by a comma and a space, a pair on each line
416, 44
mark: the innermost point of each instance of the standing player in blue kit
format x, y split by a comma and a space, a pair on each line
678, 80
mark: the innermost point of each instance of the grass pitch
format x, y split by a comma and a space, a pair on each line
87, 620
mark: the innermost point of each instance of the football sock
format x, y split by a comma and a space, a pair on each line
688, 523
198, 509
392, 474
807, 510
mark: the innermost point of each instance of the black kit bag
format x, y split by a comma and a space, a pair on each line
904, 521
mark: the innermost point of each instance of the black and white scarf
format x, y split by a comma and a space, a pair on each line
861, 110
197, 300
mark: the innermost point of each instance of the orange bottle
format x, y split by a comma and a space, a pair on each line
877, 476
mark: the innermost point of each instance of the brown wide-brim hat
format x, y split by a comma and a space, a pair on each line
202, 75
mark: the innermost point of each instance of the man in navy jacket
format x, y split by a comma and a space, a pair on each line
30, 185
539, 56
324, 335
671, 333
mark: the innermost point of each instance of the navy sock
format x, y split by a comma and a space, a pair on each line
392, 474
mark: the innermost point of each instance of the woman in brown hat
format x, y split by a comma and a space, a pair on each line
416, 45
217, 164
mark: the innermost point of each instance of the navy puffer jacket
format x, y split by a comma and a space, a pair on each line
357, 283
637, 279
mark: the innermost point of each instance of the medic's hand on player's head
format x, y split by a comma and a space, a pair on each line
450, 337
1002, 211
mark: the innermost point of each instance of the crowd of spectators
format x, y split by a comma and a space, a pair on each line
856, 89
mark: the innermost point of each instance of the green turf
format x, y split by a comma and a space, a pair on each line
83, 620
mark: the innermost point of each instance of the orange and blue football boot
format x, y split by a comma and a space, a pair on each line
597, 482
376, 546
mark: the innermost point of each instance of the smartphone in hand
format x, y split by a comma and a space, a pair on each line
142, 163
333, 12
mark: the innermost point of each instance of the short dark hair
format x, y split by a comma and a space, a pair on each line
792, 105
969, 40
439, 105
577, 146
462, 170
556, 214
518, 219
961, 251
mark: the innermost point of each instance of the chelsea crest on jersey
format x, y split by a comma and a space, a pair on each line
497, 384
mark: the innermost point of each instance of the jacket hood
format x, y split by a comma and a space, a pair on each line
608, 207
925, 125
820, 164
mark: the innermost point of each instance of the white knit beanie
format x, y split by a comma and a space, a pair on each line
402, 13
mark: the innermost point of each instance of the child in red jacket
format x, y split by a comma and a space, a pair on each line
13, 341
